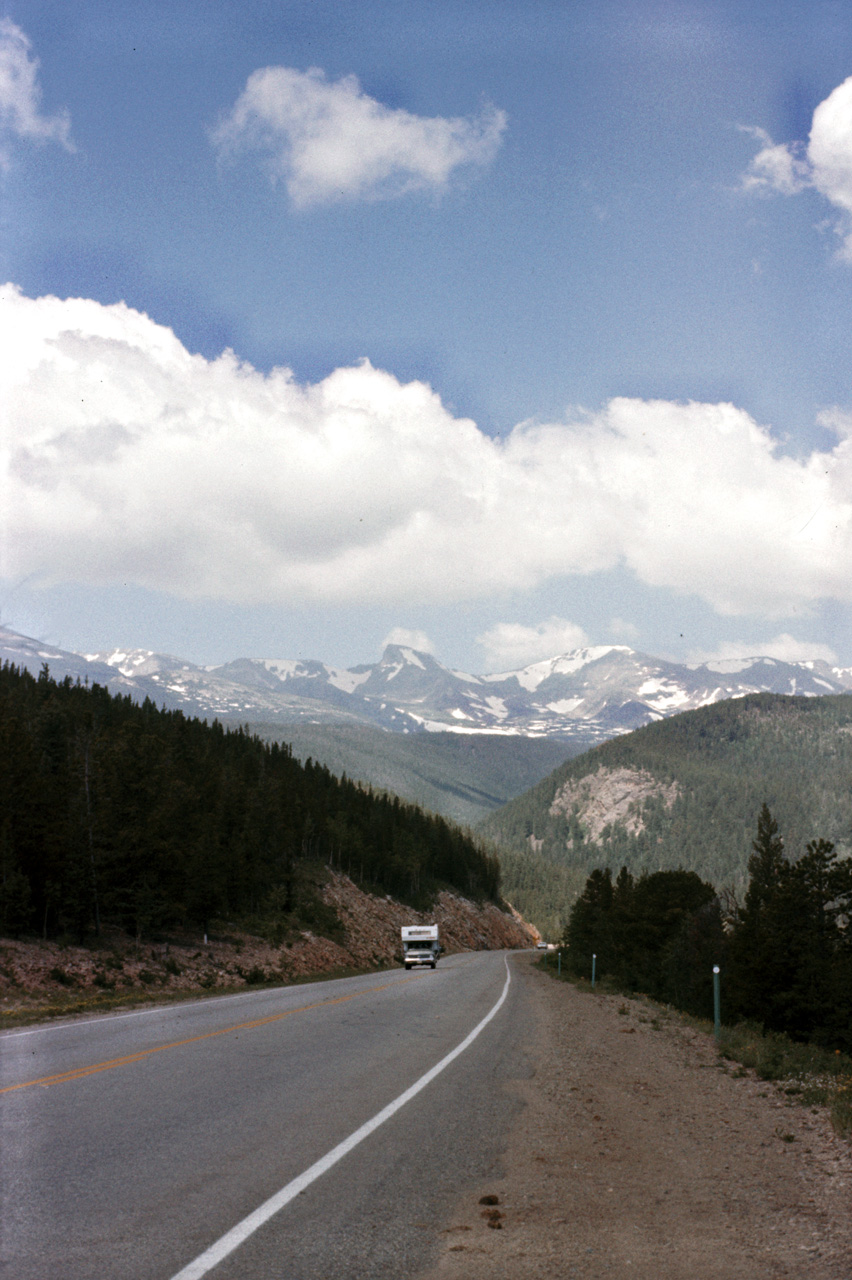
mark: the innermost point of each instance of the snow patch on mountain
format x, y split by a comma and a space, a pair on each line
347, 681
283, 668
663, 695
138, 662
565, 706
565, 664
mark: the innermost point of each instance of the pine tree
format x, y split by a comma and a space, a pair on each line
759, 965
589, 929
812, 912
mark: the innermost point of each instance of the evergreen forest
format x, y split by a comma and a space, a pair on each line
721, 762
784, 951
123, 814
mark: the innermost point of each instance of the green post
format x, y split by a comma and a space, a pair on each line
594, 958
717, 1005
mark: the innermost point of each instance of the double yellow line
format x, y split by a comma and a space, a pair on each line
80, 1073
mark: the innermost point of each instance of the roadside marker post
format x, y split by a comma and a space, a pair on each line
559, 964
717, 1005
594, 958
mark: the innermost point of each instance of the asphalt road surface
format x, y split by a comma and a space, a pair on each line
133, 1144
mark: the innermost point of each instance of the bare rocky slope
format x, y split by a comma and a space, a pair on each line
36, 974
609, 796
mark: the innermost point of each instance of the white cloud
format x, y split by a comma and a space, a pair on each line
20, 93
777, 166
830, 153
825, 164
784, 647
410, 639
125, 459
623, 630
331, 141
509, 645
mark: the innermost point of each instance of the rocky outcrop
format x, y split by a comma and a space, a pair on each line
612, 796
372, 925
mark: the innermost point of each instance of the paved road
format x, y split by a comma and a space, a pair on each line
152, 1134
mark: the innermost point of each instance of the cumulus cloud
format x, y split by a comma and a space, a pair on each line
331, 141
410, 639
125, 458
20, 93
508, 645
824, 164
784, 647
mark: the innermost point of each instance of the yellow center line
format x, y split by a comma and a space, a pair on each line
79, 1073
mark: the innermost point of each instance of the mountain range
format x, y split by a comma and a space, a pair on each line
586, 696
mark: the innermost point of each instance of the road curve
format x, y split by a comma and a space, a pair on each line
133, 1143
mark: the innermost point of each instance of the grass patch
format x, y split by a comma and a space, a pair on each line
805, 1072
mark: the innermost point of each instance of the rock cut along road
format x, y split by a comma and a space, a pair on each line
133, 1144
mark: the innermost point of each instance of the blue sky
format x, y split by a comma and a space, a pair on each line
563, 292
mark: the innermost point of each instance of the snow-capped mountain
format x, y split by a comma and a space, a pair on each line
592, 693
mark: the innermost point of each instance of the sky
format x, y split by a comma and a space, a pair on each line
495, 328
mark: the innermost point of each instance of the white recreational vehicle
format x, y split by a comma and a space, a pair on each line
420, 945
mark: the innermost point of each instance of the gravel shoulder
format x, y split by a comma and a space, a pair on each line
639, 1154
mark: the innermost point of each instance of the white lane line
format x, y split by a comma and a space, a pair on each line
232, 1239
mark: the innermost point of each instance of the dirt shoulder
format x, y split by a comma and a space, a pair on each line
638, 1155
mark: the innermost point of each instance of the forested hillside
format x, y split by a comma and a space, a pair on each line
682, 793
116, 812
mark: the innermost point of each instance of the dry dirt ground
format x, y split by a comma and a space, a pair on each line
640, 1155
